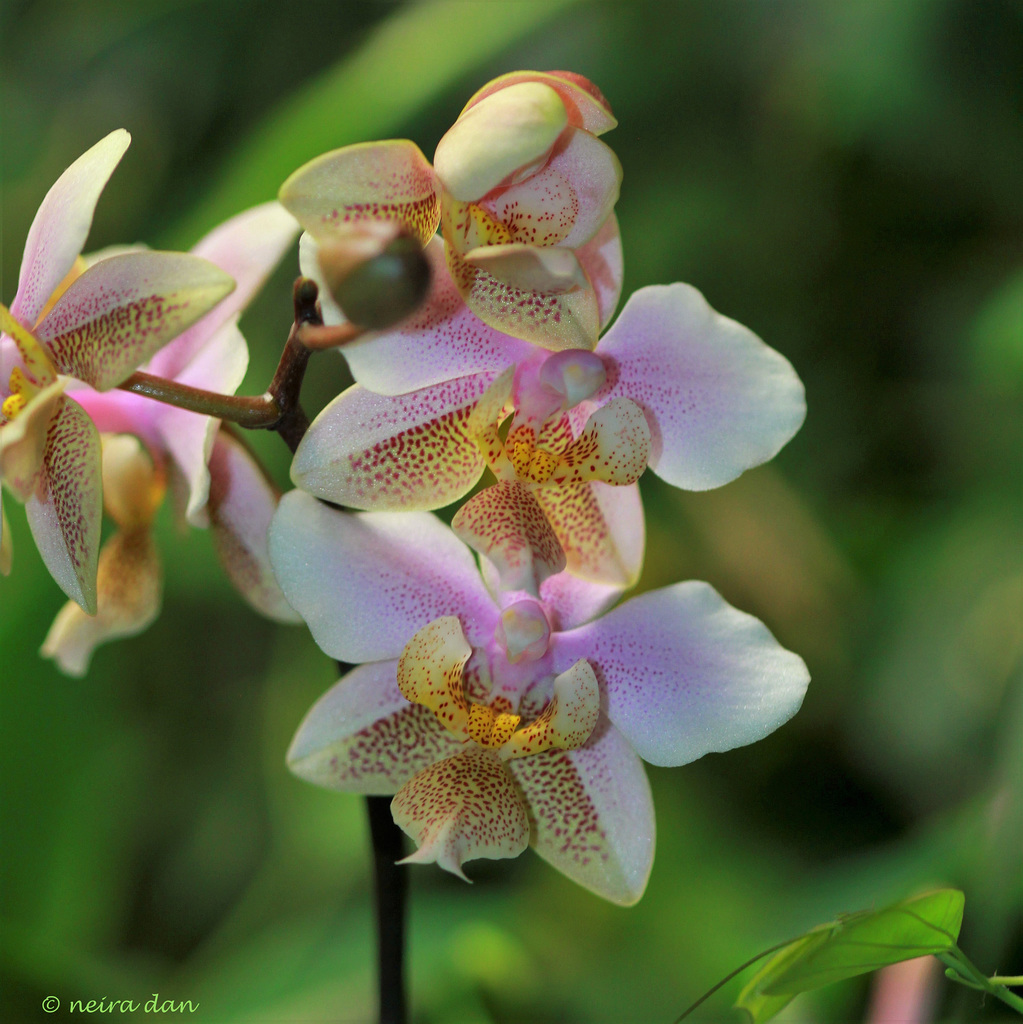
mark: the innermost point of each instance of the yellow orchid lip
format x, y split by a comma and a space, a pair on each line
39, 368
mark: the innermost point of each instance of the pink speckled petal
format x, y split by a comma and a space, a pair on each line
248, 247
430, 672
363, 736
566, 722
551, 269
505, 523
498, 139
566, 320
602, 263
586, 106
121, 310
129, 592
62, 224
686, 674
568, 200
591, 813
66, 510
242, 502
717, 399
23, 441
366, 583
613, 447
28, 355
383, 452
460, 809
441, 341
218, 365
600, 528
374, 181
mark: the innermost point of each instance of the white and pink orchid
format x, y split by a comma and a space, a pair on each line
673, 385
96, 324
523, 192
223, 486
498, 720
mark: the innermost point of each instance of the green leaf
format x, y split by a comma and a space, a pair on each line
403, 65
854, 944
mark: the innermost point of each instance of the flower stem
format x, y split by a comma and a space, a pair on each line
391, 892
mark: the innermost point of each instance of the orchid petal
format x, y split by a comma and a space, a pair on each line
592, 814
219, 365
569, 320
62, 224
365, 583
567, 720
567, 201
33, 357
602, 263
530, 268
23, 440
613, 447
248, 247
442, 340
66, 510
129, 592
498, 136
717, 399
505, 523
121, 310
393, 452
376, 181
430, 672
122, 412
460, 809
584, 102
600, 528
363, 736
686, 674
133, 489
242, 502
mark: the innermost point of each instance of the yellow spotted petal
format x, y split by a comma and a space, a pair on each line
23, 439
129, 588
490, 728
568, 719
430, 671
613, 447
38, 364
530, 268
505, 523
460, 809
505, 133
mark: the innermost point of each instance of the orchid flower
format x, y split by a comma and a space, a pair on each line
522, 190
96, 325
673, 385
498, 720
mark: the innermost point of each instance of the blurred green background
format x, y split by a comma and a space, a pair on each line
843, 177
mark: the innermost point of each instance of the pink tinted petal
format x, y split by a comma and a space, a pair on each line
220, 366
460, 809
505, 523
23, 441
363, 736
717, 399
374, 181
121, 310
242, 502
66, 510
601, 260
248, 247
498, 138
62, 224
583, 101
591, 813
600, 528
129, 592
686, 674
568, 200
443, 340
366, 583
568, 320
122, 412
407, 452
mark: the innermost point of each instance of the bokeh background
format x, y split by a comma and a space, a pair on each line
845, 178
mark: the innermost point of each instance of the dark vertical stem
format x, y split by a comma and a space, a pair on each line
391, 891
287, 383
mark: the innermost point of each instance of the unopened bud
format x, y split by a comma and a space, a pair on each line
376, 280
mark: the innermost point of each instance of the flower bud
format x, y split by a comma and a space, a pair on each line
376, 280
